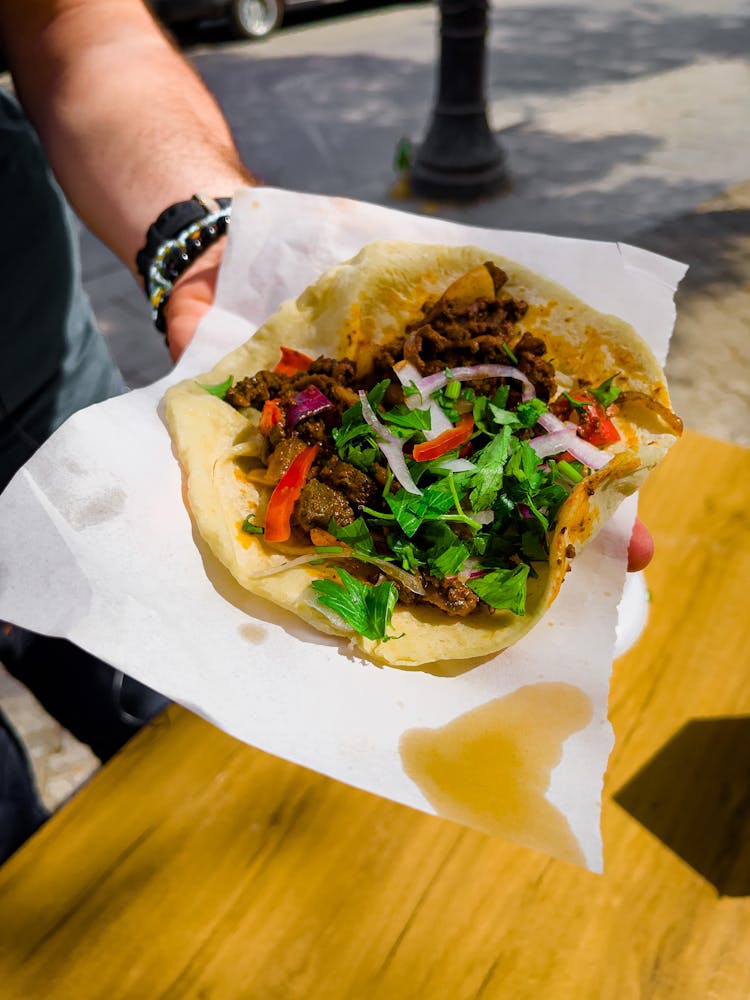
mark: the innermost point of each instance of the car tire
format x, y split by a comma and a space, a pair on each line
253, 19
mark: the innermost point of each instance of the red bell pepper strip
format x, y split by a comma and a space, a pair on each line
278, 526
270, 416
445, 442
292, 362
594, 425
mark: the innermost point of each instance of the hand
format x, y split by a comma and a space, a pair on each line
191, 297
641, 547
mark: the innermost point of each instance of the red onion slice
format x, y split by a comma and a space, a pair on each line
470, 571
432, 383
553, 443
390, 445
567, 440
484, 516
307, 403
439, 422
550, 422
587, 453
395, 572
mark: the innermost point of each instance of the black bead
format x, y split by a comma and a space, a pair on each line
174, 264
194, 246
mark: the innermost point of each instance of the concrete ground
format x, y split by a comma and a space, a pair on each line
619, 123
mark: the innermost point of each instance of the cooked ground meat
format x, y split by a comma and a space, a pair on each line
541, 373
383, 361
562, 408
341, 370
258, 389
282, 457
315, 430
316, 506
499, 277
355, 485
451, 335
450, 596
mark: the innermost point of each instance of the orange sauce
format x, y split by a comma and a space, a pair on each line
490, 768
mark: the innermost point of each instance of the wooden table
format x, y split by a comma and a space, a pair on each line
193, 866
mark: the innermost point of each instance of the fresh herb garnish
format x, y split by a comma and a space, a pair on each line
453, 390
411, 509
447, 403
356, 535
450, 561
488, 479
361, 456
577, 404
606, 393
402, 418
249, 526
528, 413
460, 514
220, 389
510, 353
500, 398
354, 439
569, 471
365, 608
406, 551
503, 589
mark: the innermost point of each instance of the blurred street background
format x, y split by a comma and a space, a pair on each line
620, 121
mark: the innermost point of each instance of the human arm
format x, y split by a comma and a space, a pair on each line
128, 126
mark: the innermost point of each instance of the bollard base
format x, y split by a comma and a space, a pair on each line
443, 184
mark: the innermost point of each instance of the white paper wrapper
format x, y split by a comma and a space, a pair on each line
96, 544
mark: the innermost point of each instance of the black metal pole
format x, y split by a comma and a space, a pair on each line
460, 157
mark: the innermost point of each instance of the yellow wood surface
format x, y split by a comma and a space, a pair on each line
194, 867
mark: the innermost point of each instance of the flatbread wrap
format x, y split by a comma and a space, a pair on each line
412, 452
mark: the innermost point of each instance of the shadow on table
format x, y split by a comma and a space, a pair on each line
694, 795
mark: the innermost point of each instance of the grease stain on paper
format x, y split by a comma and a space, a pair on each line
253, 632
490, 767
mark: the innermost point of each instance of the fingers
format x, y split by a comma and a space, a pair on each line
182, 322
641, 547
191, 298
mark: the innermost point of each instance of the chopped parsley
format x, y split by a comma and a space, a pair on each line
503, 589
220, 389
606, 393
411, 510
488, 479
356, 535
366, 608
402, 418
250, 527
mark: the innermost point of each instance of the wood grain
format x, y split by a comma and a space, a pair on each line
194, 867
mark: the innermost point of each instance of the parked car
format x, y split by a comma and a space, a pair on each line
248, 18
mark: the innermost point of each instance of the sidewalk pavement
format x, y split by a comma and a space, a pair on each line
618, 124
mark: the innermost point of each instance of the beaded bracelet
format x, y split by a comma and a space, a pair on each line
173, 256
